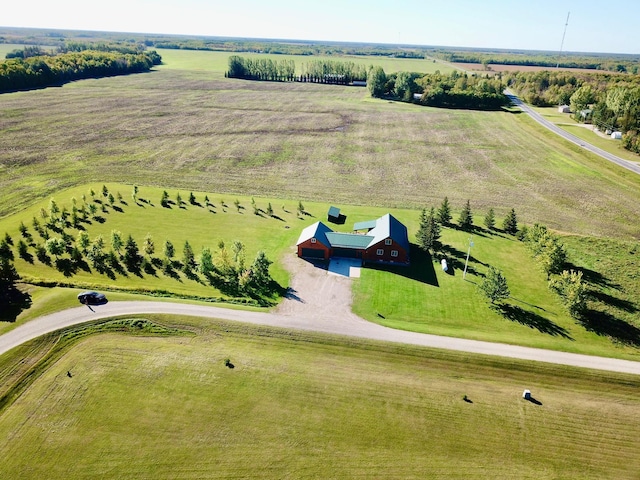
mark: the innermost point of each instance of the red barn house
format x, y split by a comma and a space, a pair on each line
383, 240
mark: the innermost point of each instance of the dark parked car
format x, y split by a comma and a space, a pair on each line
92, 298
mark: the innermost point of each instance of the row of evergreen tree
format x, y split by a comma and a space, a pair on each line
432, 221
227, 270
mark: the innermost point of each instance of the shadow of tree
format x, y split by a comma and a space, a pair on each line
27, 257
292, 294
66, 266
616, 302
532, 320
591, 276
605, 324
12, 302
457, 258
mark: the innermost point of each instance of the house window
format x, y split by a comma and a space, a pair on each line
313, 240
394, 253
387, 241
380, 252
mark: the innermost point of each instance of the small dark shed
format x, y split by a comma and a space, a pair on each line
334, 213
334, 216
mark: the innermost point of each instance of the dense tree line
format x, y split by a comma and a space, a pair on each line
612, 63
454, 90
261, 69
74, 46
317, 71
291, 48
614, 100
44, 71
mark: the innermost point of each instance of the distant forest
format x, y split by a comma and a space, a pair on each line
33, 67
625, 63
606, 62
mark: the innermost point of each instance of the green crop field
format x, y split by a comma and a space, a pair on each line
307, 406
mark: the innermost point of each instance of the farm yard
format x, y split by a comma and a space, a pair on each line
294, 400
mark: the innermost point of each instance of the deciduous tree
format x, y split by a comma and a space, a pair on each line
572, 291
376, 81
494, 286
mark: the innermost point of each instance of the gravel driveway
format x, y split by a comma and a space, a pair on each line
314, 294
317, 302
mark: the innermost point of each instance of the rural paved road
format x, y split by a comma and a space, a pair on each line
349, 325
634, 167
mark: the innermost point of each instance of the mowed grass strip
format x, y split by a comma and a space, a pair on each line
306, 406
193, 129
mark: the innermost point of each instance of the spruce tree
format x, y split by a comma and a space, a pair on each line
429, 231
422, 236
132, 257
466, 218
444, 212
490, 219
510, 223
188, 258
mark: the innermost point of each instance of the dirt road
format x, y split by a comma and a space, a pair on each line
317, 302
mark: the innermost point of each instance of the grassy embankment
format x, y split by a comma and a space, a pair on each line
308, 406
185, 127
421, 298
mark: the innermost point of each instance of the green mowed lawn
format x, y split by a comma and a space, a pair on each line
302, 406
420, 298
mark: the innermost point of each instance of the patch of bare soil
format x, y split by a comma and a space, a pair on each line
314, 294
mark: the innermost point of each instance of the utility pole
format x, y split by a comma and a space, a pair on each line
562, 43
464, 274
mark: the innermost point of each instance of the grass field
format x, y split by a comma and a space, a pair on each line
421, 298
305, 406
159, 404
194, 129
218, 62
585, 132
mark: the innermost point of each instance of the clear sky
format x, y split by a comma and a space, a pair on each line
594, 26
